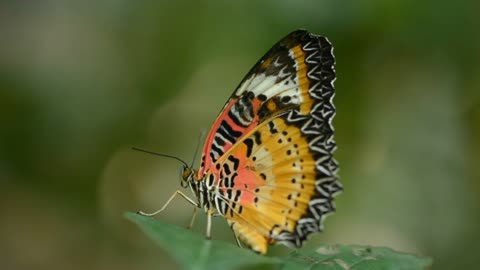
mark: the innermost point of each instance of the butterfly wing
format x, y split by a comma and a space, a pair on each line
280, 81
269, 153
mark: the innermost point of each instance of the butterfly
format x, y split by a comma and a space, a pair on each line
267, 164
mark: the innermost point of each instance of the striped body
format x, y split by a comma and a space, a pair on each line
267, 164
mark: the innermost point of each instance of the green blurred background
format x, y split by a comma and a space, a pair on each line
80, 83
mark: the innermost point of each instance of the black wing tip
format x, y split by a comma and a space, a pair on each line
305, 35
324, 45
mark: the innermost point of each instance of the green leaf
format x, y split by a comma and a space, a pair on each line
193, 251
354, 257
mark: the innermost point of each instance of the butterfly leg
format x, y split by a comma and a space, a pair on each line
209, 224
194, 215
237, 240
177, 192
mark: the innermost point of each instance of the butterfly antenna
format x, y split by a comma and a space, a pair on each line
200, 139
162, 155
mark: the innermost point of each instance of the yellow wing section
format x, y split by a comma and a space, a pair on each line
278, 193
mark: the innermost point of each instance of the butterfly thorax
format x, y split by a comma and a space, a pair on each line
205, 194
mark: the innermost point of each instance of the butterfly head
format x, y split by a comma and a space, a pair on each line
188, 176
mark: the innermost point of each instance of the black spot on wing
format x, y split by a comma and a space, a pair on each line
237, 195
258, 137
236, 119
235, 162
249, 143
217, 150
225, 208
226, 182
219, 141
286, 99
232, 179
228, 132
272, 128
226, 169
211, 179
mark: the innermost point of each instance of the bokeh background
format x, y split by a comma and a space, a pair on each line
81, 82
